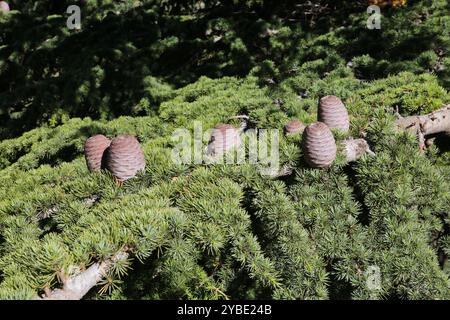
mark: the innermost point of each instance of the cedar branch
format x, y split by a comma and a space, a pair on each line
75, 288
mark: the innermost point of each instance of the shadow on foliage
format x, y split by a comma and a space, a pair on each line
127, 60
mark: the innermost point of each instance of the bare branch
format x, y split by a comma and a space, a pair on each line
435, 122
77, 287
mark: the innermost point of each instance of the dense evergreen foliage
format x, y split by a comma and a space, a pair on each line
223, 231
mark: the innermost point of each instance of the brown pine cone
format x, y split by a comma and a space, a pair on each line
319, 146
223, 138
94, 148
124, 158
333, 113
294, 127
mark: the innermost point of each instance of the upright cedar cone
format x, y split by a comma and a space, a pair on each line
94, 148
223, 138
124, 158
294, 127
333, 113
319, 146
4, 6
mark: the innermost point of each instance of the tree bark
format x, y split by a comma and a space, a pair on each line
77, 287
424, 125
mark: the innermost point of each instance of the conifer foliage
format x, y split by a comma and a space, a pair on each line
80, 112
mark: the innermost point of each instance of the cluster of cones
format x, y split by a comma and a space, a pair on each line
122, 156
318, 143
